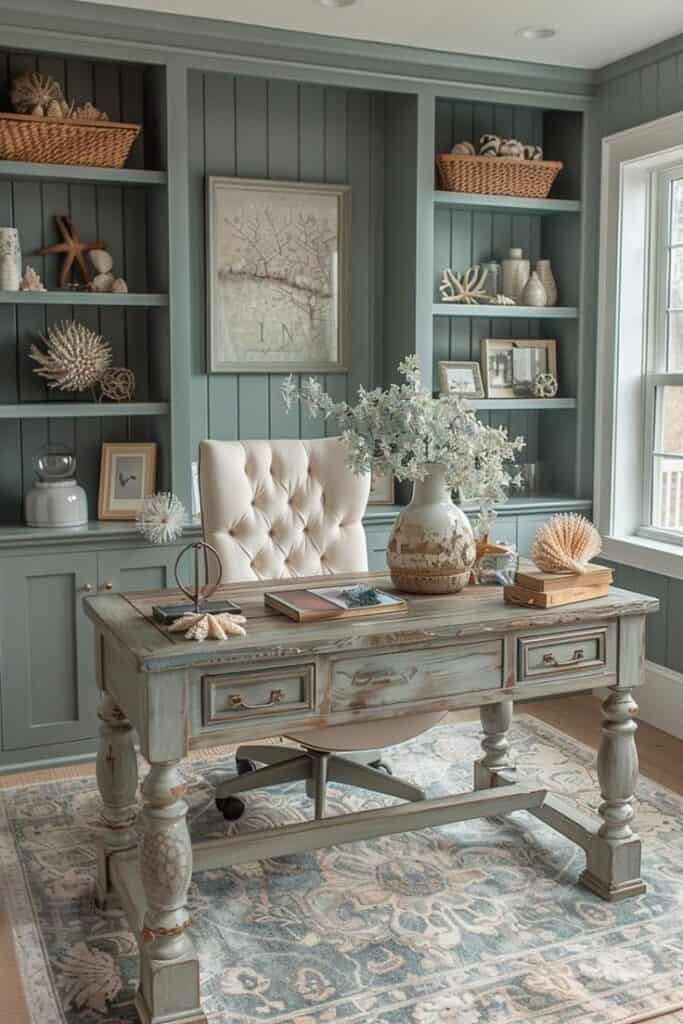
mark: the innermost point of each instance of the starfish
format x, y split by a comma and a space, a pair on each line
72, 248
202, 625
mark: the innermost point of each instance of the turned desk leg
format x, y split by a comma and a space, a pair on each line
495, 722
613, 857
117, 781
169, 968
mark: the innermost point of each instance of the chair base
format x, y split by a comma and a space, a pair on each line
314, 767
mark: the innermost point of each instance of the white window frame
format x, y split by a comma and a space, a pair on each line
631, 163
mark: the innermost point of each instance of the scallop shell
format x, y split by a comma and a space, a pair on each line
463, 149
101, 260
54, 109
566, 543
102, 282
119, 286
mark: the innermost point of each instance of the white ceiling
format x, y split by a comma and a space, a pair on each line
590, 33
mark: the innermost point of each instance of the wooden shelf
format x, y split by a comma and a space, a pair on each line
92, 175
73, 410
506, 312
546, 404
505, 204
68, 298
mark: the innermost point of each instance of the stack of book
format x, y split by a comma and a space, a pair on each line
538, 589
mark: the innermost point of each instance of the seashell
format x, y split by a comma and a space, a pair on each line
31, 281
502, 300
54, 109
89, 112
511, 147
489, 145
533, 153
101, 260
464, 149
119, 287
102, 282
32, 90
566, 543
37, 111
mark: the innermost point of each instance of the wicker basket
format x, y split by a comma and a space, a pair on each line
44, 140
497, 175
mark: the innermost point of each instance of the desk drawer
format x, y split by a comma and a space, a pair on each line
554, 656
413, 676
270, 692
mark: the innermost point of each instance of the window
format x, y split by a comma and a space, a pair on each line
638, 485
662, 513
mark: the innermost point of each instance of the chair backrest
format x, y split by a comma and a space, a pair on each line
282, 508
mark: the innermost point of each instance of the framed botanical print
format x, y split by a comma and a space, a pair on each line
461, 378
511, 366
382, 489
127, 476
278, 276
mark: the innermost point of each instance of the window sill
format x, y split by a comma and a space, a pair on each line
646, 554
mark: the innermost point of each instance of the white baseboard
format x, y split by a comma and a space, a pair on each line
661, 699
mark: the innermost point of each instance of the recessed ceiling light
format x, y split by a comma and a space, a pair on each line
534, 32
336, 3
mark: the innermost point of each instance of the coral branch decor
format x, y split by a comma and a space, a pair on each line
72, 249
467, 288
566, 543
76, 357
439, 444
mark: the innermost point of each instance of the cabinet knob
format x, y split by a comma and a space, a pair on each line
87, 587
109, 585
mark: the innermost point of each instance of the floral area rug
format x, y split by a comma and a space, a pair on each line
476, 923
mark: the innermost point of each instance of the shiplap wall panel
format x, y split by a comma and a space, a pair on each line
280, 130
121, 218
644, 94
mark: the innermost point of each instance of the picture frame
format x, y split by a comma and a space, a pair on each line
288, 311
127, 477
382, 488
509, 365
461, 378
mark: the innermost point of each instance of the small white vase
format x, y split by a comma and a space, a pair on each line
545, 274
534, 293
431, 549
10, 260
515, 274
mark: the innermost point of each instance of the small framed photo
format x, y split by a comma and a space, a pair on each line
462, 379
510, 366
381, 489
127, 476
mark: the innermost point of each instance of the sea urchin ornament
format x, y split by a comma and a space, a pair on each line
566, 543
33, 93
76, 357
161, 517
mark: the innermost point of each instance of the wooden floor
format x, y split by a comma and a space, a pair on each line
661, 759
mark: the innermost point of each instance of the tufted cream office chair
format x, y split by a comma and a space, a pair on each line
274, 509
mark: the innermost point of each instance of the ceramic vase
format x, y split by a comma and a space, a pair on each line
534, 293
10, 260
431, 549
492, 282
515, 274
545, 273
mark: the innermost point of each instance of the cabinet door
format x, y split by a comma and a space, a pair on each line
377, 538
526, 531
47, 651
148, 568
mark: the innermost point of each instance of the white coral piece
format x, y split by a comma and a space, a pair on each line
203, 626
467, 288
161, 517
76, 357
31, 91
566, 543
31, 281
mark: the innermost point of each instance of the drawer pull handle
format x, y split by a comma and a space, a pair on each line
550, 659
238, 701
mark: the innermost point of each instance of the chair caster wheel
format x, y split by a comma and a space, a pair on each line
231, 807
381, 766
244, 766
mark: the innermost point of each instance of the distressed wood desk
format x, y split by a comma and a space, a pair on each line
459, 651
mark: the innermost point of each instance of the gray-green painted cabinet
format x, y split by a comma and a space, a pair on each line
48, 664
48, 695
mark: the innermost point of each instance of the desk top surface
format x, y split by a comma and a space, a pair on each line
475, 612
